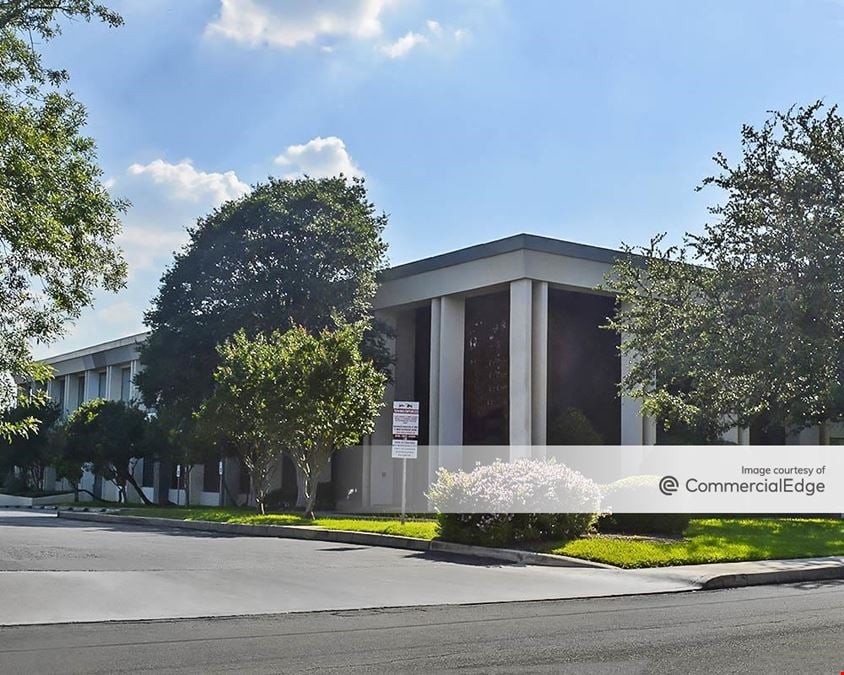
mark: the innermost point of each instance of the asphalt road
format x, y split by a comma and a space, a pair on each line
771, 629
58, 570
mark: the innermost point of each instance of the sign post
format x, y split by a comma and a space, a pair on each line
405, 441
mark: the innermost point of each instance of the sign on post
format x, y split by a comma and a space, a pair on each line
405, 441
406, 418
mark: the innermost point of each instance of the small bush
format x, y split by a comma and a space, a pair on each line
507, 503
639, 523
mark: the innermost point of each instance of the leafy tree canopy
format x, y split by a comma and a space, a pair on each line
302, 252
57, 220
297, 392
747, 319
108, 437
33, 452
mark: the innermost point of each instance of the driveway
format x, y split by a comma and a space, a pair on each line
57, 570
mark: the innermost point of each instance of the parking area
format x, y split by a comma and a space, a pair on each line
57, 570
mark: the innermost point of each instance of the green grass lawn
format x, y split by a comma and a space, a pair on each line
717, 540
421, 529
705, 541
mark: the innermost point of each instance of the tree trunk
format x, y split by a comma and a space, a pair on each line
138, 489
300, 487
311, 485
823, 433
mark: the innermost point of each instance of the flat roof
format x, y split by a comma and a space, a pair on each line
517, 242
100, 347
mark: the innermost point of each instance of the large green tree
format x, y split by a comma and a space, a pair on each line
304, 394
108, 438
302, 252
31, 453
745, 321
57, 221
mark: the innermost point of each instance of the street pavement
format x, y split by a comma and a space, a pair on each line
59, 570
769, 629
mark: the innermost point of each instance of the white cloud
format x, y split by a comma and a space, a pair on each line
186, 182
121, 313
318, 158
294, 22
436, 36
148, 247
403, 45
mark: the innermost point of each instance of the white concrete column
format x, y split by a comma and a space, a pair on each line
521, 345
69, 380
434, 392
539, 366
133, 370
110, 374
366, 472
648, 431
743, 436
450, 416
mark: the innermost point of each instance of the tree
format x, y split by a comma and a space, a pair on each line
291, 252
107, 437
304, 394
746, 321
31, 453
57, 220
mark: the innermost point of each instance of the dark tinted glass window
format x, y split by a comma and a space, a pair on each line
584, 369
486, 370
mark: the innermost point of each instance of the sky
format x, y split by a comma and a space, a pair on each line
471, 120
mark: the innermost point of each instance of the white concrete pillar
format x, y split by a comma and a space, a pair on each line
743, 435
539, 366
68, 393
521, 346
648, 431
110, 374
133, 370
434, 392
366, 473
450, 404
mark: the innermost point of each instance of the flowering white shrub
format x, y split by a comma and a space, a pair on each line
504, 503
523, 486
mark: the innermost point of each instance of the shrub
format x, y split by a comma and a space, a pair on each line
638, 523
572, 427
507, 503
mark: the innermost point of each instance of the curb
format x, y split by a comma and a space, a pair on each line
345, 537
821, 572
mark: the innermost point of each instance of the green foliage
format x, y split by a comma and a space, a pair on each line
506, 529
303, 252
35, 451
420, 529
57, 220
304, 394
716, 540
756, 326
572, 427
107, 437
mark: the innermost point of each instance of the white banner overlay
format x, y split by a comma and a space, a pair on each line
696, 479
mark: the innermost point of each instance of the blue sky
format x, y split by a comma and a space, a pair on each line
471, 119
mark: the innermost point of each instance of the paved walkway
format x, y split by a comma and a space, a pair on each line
57, 570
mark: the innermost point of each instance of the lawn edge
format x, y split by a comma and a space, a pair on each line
346, 537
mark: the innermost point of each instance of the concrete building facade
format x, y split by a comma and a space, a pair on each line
501, 343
